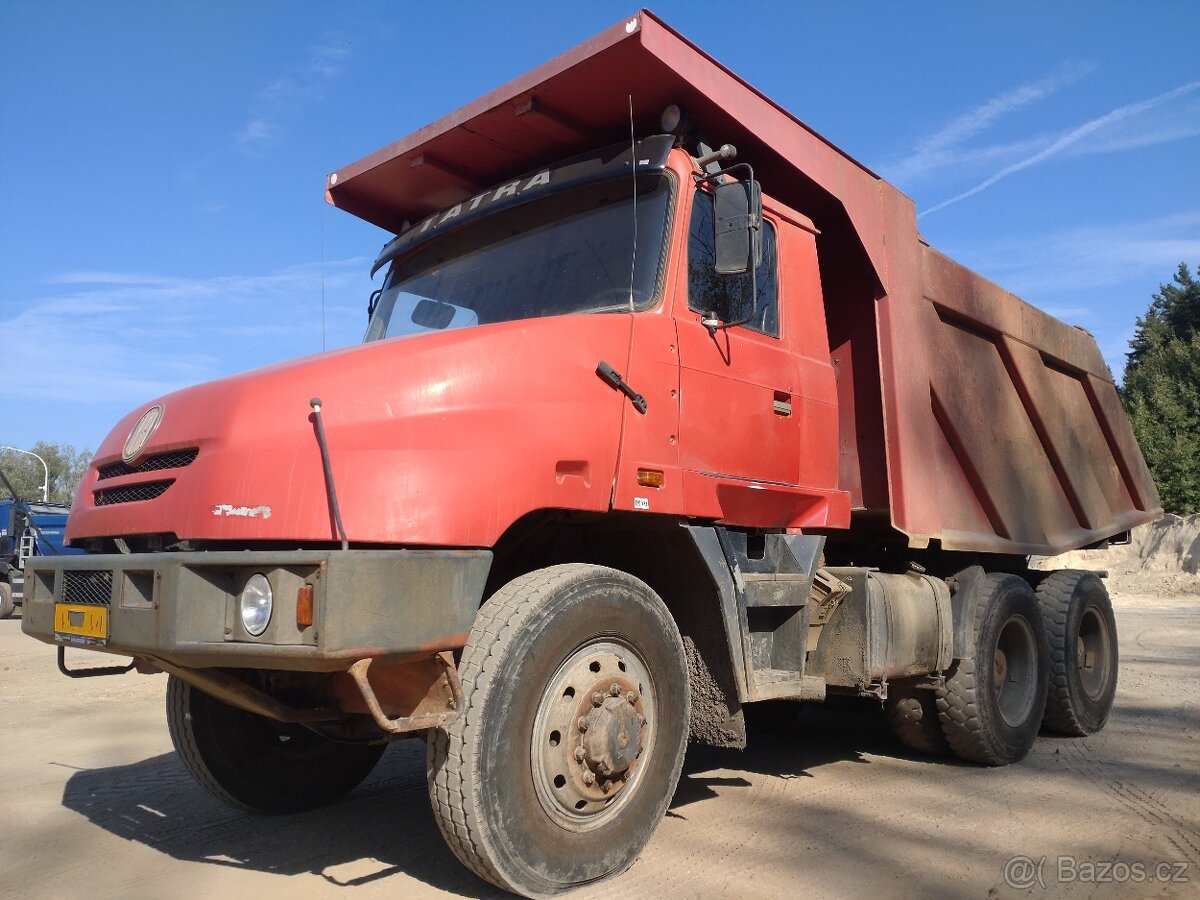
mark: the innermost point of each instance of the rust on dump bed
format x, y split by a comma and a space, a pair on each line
967, 416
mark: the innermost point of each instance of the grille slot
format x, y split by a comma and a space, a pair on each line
175, 459
130, 493
91, 587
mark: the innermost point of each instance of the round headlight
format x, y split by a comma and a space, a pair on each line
256, 604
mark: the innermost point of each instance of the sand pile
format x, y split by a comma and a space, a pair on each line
1161, 557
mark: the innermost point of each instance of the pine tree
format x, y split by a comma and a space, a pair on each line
1161, 390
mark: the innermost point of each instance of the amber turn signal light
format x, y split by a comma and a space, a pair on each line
304, 606
650, 478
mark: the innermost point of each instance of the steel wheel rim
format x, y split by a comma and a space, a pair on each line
1093, 654
1014, 672
562, 754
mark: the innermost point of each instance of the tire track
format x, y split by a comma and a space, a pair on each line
1181, 835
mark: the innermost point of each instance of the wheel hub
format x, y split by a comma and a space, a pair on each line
593, 729
1014, 670
612, 740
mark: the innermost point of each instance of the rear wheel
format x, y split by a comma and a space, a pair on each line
258, 764
914, 719
7, 604
571, 735
1082, 634
992, 702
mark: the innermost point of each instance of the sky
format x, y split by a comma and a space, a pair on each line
163, 220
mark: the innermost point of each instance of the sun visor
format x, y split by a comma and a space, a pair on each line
644, 157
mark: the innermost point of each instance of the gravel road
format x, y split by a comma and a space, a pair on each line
94, 804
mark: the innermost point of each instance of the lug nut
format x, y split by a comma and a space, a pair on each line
606, 786
597, 699
583, 726
632, 698
589, 778
614, 689
580, 753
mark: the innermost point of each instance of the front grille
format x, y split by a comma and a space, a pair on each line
92, 587
175, 459
131, 493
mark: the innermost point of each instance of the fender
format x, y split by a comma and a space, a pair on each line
964, 594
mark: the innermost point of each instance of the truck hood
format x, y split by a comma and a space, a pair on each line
438, 439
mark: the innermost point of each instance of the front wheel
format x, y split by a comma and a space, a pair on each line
7, 605
572, 732
257, 764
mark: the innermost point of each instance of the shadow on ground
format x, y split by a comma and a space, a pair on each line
385, 827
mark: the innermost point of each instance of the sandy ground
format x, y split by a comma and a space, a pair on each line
94, 804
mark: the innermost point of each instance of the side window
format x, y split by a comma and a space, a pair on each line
729, 295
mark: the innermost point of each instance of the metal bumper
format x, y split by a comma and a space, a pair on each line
385, 605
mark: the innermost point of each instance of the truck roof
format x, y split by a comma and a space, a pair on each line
947, 383
578, 101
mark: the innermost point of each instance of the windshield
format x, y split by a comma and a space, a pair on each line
569, 252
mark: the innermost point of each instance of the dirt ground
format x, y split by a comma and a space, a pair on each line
93, 802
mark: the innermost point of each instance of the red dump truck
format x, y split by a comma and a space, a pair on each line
664, 408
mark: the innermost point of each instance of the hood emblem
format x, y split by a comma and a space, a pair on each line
145, 427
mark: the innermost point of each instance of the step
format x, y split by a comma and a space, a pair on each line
784, 684
776, 590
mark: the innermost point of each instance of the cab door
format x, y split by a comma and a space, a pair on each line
738, 430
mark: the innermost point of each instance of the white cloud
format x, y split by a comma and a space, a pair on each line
128, 336
1120, 115
943, 148
1076, 261
283, 98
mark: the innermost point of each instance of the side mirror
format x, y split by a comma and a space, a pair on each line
737, 213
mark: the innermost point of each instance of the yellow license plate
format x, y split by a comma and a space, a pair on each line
76, 623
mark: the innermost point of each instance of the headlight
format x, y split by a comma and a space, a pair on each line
256, 604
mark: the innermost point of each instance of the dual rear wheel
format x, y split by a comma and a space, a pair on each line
1038, 659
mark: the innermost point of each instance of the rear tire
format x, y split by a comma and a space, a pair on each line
254, 763
525, 797
1082, 634
913, 716
992, 703
7, 605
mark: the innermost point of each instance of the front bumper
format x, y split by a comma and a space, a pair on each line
385, 605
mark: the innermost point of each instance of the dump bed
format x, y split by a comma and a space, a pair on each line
967, 416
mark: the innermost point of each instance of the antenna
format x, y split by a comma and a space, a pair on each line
633, 165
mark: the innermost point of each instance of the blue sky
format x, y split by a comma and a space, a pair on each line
163, 219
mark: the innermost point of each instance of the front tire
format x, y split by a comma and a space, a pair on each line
254, 763
1082, 633
7, 605
991, 705
572, 731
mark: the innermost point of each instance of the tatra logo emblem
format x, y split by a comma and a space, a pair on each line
137, 439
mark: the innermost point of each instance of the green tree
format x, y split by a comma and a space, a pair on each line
1161, 390
64, 463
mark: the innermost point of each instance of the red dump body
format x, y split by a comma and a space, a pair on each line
966, 415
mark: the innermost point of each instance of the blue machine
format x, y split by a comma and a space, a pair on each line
27, 529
